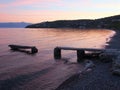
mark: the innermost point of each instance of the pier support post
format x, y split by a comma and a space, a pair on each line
34, 50
57, 53
80, 55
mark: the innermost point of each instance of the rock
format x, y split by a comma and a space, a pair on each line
89, 70
114, 56
89, 64
109, 55
116, 71
116, 66
116, 62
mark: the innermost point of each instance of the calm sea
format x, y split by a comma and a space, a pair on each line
41, 71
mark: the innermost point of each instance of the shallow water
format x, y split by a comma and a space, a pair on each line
41, 71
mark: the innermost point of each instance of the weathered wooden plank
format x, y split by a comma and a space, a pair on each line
57, 53
80, 55
19, 47
80, 52
86, 49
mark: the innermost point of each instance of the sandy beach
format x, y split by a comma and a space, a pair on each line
100, 78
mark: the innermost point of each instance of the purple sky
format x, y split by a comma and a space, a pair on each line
35, 11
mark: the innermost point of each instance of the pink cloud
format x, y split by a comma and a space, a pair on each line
35, 17
4, 17
40, 16
46, 15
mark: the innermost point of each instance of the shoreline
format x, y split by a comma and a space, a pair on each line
20, 71
100, 78
114, 41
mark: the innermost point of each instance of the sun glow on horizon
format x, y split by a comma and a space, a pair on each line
35, 11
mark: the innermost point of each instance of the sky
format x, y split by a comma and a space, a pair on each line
35, 11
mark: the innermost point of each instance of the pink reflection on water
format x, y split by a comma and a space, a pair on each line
43, 71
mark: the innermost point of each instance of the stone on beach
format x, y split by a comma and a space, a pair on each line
116, 71
108, 55
89, 65
116, 66
116, 62
114, 56
111, 55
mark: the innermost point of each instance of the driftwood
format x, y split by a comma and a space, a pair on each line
24, 48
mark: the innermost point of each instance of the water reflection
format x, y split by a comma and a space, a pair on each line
73, 37
14, 65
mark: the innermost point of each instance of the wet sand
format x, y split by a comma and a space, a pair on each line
100, 78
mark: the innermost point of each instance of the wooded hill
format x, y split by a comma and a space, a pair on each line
112, 22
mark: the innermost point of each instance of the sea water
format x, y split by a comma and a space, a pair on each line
41, 71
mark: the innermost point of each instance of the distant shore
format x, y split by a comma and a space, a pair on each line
112, 22
100, 78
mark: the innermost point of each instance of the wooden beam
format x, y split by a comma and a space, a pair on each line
20, 47
86, 49
57, 53
80, 55
80, 52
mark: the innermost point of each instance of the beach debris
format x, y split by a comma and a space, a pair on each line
24, 48
114, 56
116, 66
116, 71
108, 55
89, 65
